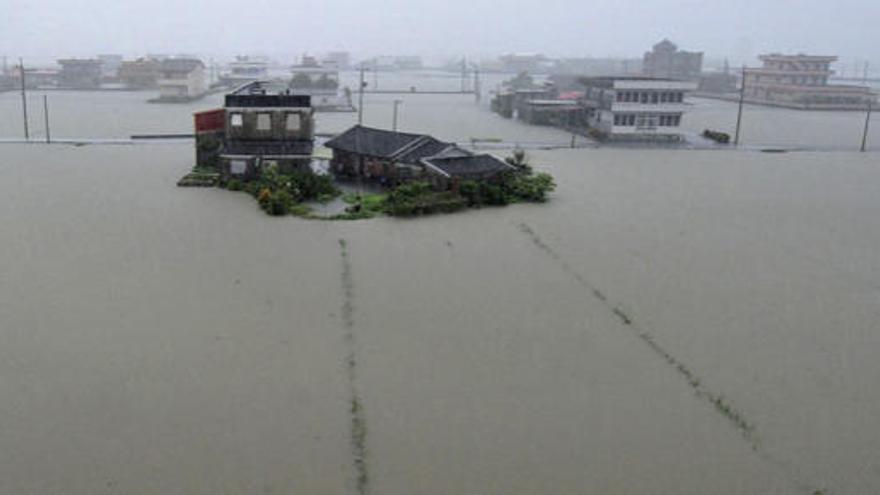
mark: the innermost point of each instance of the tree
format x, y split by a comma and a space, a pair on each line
520, 161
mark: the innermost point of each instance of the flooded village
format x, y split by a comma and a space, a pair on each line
680, 295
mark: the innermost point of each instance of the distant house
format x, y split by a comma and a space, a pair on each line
447, 172
801, 81
264, 126
110, 66
79, 73
636, 108
182, 79
246, 68
667, 61
390, 158
143, 73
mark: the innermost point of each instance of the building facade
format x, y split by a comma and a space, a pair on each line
143, 73
665, 60
182, 79
801, 81
79, 73
636, 108
266, 126
246, 68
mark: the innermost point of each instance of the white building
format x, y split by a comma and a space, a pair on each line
636, 108
246, 68
801, 81
182, 79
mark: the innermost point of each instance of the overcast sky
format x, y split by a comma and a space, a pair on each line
55, 28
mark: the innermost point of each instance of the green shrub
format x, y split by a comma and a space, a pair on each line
493, 194
234, 185
279, 203
530, 187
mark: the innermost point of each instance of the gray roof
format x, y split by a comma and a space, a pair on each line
468, 166
400, 146
184, 65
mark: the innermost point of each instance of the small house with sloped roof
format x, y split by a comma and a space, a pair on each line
388, 157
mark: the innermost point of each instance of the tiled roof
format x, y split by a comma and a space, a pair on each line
380, 143
464, 166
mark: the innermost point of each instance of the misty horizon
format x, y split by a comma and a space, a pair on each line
477, 29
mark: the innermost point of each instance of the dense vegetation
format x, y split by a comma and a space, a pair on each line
284, 194
279, 193
521, 185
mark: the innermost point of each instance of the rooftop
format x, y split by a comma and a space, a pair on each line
464, 166
181, 64
266, 94
401, 146
799, 56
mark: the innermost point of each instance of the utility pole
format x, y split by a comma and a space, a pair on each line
463, 74
46, 116
477, 90
361, 97
865, 74
739, 114
396, 104
867, 125
27, 136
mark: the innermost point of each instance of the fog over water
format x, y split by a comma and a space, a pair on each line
741, 30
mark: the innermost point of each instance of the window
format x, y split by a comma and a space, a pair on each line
655, 98
644, 97
630, 120
237, 167
235, 120
294, 122
264, 122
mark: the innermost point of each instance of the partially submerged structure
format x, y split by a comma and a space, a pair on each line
391, 157
636, 108
263, 125
801, 81
182, 80
246, 68
77, 73
321, 83
143, 73
665, 60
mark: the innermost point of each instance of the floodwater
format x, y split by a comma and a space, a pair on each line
670, 322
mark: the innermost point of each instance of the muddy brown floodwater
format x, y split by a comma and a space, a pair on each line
669, 322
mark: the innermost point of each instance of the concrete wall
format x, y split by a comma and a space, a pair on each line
278, 124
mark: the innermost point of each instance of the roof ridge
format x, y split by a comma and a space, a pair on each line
411, 146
